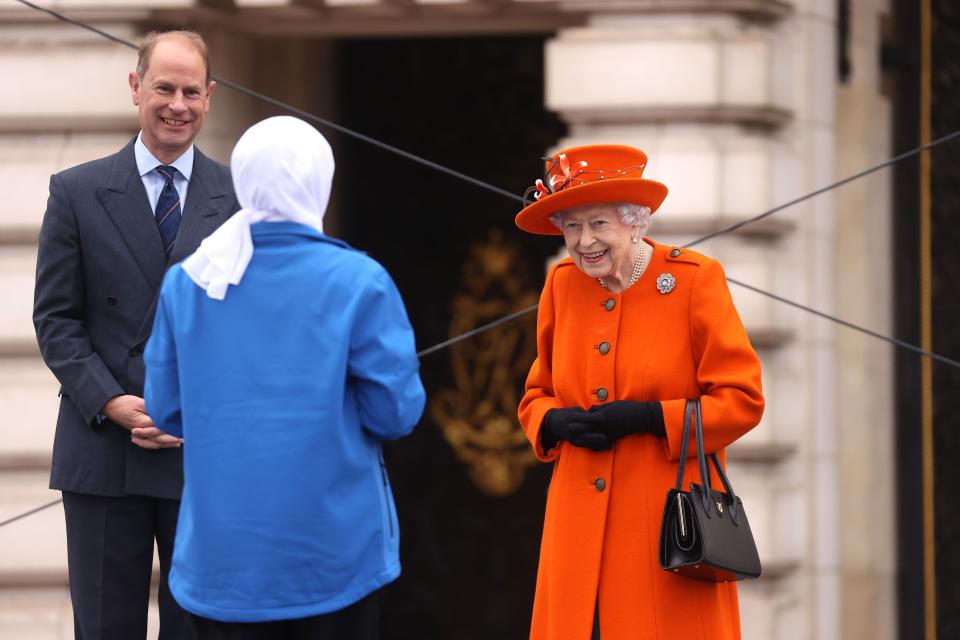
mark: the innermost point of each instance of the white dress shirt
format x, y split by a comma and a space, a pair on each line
152, 180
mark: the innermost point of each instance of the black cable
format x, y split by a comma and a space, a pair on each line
849, 325
829, 187
826, 316
427, 351
303, 114
31, 512
480, 329
82, 25
531, 309
480, 183
498, 190
373, 141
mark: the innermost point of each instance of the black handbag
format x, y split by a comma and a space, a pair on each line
704, 533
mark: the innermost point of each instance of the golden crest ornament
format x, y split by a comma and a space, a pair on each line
478, 414
666, 282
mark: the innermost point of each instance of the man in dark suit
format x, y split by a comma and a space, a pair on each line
111, 229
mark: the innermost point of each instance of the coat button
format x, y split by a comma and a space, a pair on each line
602, 394
604, 348
600, 484
111, 301
609, 304
134, 352
675, 253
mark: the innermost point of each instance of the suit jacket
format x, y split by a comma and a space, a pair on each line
99, 269
318, 329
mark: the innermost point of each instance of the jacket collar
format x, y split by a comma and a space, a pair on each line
273, 229
147, 162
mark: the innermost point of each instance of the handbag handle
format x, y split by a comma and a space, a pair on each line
687, 413
693, 414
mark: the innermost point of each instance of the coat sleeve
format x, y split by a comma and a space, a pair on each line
59, 304
727, 368
162, 387
383, 366
538, 397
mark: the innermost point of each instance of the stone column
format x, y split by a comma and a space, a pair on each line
865, 256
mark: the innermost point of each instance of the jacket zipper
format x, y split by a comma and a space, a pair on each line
386, 495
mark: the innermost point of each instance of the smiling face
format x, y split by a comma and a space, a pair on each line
599, 242
173, 97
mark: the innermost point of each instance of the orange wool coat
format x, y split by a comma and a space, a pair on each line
604, 508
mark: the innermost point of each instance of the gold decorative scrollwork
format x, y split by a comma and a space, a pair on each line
478, 416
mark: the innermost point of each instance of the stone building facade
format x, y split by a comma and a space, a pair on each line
740, 106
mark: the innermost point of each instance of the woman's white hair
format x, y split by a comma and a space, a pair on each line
630, 213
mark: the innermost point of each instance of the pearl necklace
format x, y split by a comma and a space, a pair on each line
638, 265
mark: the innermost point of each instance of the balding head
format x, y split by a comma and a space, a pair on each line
150, 43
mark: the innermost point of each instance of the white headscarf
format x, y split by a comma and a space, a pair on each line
282, 171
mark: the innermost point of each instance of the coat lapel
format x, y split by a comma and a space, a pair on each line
125, 201
205, 209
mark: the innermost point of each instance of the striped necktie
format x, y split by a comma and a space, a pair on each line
168, 209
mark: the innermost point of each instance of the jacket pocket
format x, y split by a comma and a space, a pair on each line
385, 487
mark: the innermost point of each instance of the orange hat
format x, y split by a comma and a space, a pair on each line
591, 174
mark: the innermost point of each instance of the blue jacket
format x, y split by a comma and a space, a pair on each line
282, 393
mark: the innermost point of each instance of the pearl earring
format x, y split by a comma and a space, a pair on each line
634, 240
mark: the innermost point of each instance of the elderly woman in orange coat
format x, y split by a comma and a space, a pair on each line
627, 330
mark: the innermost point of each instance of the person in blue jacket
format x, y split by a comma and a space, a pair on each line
282, 357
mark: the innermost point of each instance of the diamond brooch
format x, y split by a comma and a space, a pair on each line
666, 282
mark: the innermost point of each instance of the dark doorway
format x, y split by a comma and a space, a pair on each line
469, 550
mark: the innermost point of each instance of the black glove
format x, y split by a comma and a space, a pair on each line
624, 417
575, 425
